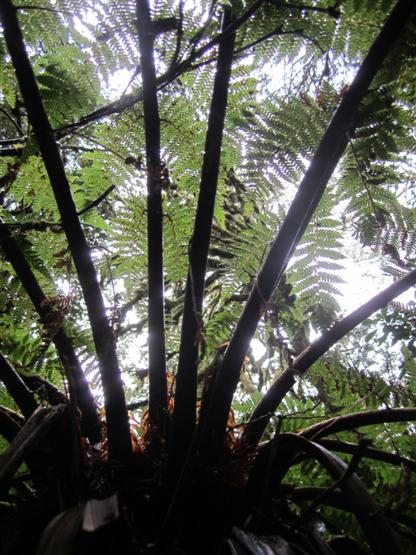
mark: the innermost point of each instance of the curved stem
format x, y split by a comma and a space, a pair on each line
78, 385
34, 428
128, 100
299, 214
373, 522
357, 420
282, 385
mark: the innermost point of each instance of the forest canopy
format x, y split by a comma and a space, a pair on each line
183, 188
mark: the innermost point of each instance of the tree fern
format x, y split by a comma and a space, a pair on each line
270, 269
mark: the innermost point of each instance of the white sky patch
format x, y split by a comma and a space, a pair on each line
119, 83
363, 279
257, 348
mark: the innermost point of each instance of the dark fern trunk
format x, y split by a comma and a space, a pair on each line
156, 181
116, 412
192, 335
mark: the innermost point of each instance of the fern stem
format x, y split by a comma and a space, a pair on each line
79, 387
31, 432
372, 521
9, 424
51, 394
282, 385
310, 191
158, 397
119, 443
192, 332
17, 388
370, 453
352, 320
358, 420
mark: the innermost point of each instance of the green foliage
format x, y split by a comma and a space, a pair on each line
292, 69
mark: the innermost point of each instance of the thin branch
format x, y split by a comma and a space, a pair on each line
13, 121
331, 11
12, 151
370, 453
227, 31
97, 201
158, 395
101, 145
198, 35
116, 107
138, 404
21, 227
115, 405
55, 227
42, 8
135, 327
272, 398
347, 324
179, 37
191, 333
48, 392
78, 148
17, 388
299, 214
373, 522
138, 296
337, 499
278, 31
10, 142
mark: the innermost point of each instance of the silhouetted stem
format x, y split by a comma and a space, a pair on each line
9, 423
347, 324
192, 326
370, 453
299, 214
52, 395
274, 395
358, 420
37, 425
156, 321
337, 499
119, 442
372, 520
17, 388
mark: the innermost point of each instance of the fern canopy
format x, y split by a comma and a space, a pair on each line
97, 67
